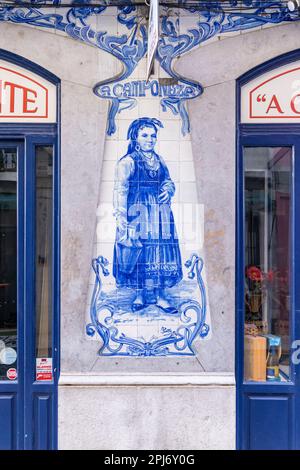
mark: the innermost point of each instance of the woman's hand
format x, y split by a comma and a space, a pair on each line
122, 233
164, 197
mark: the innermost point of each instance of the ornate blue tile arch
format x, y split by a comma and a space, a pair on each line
123, 93
130, 48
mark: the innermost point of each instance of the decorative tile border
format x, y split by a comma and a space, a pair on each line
131, 47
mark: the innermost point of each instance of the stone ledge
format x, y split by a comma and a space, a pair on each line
223, 379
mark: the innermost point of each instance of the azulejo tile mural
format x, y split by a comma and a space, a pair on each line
148, 294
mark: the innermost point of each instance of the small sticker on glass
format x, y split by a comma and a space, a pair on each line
12, 374
8, 356
44, 368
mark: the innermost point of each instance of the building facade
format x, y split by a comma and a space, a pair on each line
149, 251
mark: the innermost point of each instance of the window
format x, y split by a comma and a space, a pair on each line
44, 250
267, 262
8, 260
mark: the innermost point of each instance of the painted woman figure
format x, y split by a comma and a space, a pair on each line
146, 252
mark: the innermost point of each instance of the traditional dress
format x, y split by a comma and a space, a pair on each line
145, 226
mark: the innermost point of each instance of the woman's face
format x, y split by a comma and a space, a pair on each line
146, 138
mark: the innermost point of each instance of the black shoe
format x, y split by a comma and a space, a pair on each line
168, 310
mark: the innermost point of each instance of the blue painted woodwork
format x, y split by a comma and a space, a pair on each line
43, 421
12, 393
270, 422
268, 414
28, 409
8, 421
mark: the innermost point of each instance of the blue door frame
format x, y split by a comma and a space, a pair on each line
28, 409
268, 414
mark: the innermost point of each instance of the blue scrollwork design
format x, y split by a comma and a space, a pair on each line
99, 265
177, 342
211, 19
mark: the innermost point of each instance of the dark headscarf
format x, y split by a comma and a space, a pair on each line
138, 124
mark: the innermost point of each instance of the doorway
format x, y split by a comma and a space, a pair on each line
268, 260
29, 275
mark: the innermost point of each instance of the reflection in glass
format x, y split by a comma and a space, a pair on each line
267, 199
44, 206
8, 260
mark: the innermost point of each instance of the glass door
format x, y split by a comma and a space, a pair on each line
9, 156
268, 262
11, 299
29, 293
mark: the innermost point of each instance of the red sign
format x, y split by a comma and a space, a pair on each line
24, 96
12, 374
273, 96
44, 368
274, 102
